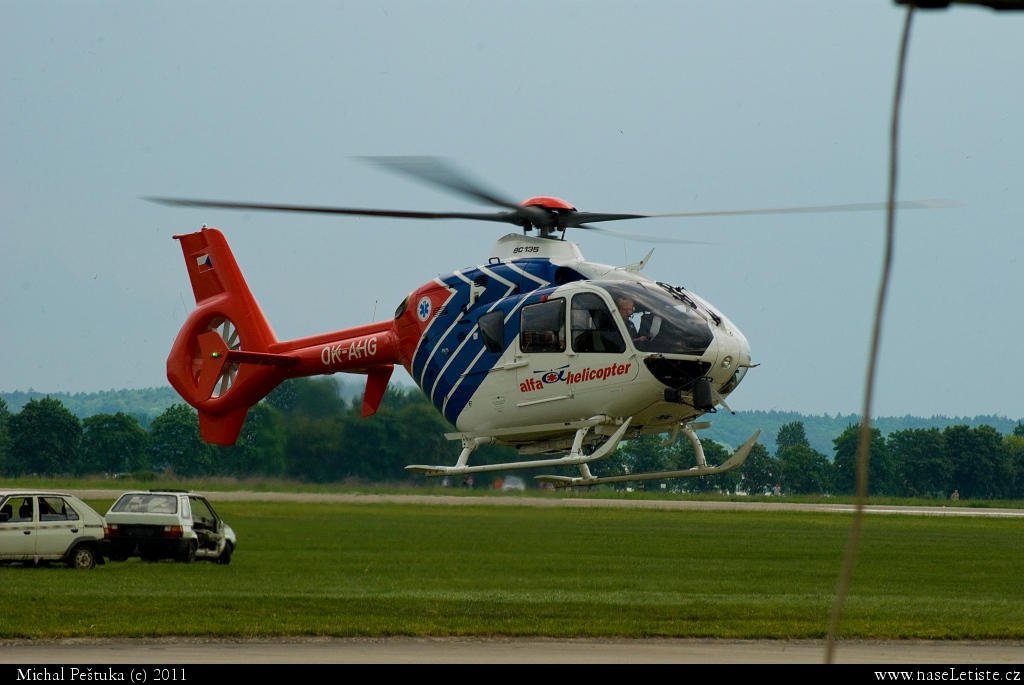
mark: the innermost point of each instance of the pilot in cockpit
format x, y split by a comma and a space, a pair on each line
626, 310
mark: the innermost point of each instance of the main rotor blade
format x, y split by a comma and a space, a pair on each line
504, 217
577, 219
442, 173
640, 237
819, 209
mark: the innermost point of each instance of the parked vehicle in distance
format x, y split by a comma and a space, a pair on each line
512, 483
168, 524
42, 526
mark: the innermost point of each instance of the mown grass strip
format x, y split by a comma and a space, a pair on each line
369, 570
432, 487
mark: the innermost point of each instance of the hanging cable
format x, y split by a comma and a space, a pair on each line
864, 445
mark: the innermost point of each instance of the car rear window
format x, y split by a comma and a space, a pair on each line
146, 504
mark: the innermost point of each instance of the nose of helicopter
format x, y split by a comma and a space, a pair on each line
733, 356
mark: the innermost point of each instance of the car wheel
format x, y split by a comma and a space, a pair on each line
225, 556
83, 558
189, 555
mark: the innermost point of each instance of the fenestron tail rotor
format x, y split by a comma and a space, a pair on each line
229, 371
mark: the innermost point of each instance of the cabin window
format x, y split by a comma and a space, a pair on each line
492, 328
593, 328
542, 327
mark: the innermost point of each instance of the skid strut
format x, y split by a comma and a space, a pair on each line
575, 456
702, 468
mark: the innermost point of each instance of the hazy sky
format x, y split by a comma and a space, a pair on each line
623, 107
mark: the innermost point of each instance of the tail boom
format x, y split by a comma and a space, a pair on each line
226, 357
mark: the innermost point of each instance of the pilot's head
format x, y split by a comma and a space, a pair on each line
625, 308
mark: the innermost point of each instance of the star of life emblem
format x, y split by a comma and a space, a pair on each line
423, 309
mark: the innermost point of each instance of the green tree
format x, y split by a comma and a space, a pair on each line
715, 454
1014, 445
174, 442
44, 438
790, 434
113, 443
6, 466
317, 398
373, 448
282, 398
1018, 430
760, 471
981, 463
422, 431
804, 471
646, 454
882, 476
316, 449
922, 461
640, 455
260, 448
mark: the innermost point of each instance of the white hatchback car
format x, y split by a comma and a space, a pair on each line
42, 525
168, 524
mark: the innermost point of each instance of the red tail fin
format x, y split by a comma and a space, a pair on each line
221, 390
226, 357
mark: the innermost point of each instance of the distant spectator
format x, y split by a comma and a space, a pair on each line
776, 491
955, 496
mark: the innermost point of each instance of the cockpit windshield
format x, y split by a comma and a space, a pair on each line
660, 321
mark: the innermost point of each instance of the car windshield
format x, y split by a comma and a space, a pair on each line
146, 504
658, 321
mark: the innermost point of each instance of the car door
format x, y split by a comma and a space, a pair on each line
206, 526
18, 533
58, 526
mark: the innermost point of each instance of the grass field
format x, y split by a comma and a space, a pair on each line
388, 569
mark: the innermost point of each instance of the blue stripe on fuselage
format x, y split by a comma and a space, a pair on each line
465, 364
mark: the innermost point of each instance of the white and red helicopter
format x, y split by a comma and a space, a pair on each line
537, 349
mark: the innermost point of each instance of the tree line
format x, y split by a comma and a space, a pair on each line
307, 431
304, 430
974, 462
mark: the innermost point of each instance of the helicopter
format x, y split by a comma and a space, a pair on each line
537, 349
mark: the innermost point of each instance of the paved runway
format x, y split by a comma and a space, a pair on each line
513, 501
178, 651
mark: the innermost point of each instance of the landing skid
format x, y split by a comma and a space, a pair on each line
734, 462
574, 458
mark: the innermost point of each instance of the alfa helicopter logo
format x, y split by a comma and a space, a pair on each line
563, 375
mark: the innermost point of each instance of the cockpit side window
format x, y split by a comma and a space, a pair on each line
492, 328
668, 324
593, 328
542, 327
